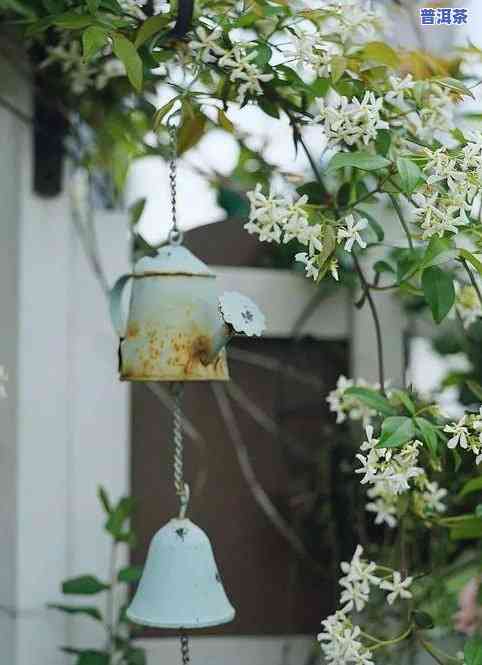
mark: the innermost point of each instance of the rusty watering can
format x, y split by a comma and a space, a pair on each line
177, 325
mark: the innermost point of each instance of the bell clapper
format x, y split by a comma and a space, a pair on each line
186, 658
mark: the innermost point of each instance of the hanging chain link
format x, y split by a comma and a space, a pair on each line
175, 235
186, 658
182, 488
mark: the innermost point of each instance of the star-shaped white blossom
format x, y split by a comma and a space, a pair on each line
460, 434
350, 232
397, 587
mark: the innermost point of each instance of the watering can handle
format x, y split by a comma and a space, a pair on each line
115, 305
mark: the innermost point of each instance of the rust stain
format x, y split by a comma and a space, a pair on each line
180, 360
133, 330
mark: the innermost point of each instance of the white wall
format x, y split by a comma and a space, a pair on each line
64, 427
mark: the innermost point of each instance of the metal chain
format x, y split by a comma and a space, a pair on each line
182, 489
175, 235
186, 658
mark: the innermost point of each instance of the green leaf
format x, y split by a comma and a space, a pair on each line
380, 52
396, 431
162, 112
428, 434
127, 54
225, 122
73, 21
408, 263
269, 107
438, 251
94, 658
130, 574
192, 129
423, 620
475, 388
405, 399
319, 87
315, 192
104, 499
136, 657
373, 399
121, 513
93, 5
93, 40
136, 210
439, 292
463, 527
473, 651
263, 54
86, 585
473, 485
383, 141
410, 174
458, 135
455, 85
360, 160
92, 612
151, 26
468, 256
338, 66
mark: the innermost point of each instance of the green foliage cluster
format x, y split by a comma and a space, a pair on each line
119, 647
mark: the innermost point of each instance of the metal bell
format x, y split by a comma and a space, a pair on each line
180, 586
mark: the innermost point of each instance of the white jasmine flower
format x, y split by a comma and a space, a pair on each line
443, 167
112, 68
206, 44
353, 596
161, 7
350, 232
133, 7
311, 268
265, 215
459, 433
243, 69
370, 442
435, 217
433, 497
341, 643
398, 588
398, 88
383, 504
358, 577
352, 123
437, 111
344, 405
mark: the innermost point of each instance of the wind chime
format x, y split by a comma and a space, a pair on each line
176, 331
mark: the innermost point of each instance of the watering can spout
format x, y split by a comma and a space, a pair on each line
239, 315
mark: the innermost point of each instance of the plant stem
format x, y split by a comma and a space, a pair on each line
364, 283
429, 648
110, 609
473, 280
398, 210
376, 321
396, 640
